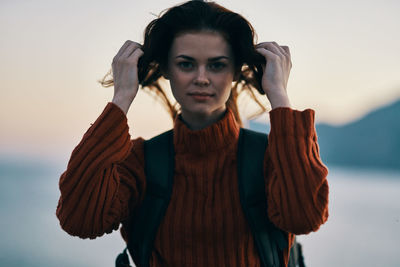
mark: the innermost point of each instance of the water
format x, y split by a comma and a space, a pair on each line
364, 224
363, 228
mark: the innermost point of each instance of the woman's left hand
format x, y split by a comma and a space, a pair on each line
275, 72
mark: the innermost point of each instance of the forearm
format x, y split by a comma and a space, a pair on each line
297, 186
91, 192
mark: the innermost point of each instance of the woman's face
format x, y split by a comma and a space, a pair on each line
200, 70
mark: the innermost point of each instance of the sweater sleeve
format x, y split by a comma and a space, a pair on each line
297, 186
104, 179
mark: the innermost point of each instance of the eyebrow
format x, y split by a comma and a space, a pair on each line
210, 59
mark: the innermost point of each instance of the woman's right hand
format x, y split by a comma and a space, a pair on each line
125, 74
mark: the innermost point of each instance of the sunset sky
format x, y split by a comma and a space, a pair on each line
345, 58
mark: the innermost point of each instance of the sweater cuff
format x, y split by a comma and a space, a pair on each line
112, 118
109, 132
289, 122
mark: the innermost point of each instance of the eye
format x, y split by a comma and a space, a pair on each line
216, 66
185, 65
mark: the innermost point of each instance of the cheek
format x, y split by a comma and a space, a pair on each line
179, 82
179, 77
224, 83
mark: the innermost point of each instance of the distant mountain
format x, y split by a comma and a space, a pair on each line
371, 142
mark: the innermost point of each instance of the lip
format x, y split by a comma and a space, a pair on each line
200, 93
201, 96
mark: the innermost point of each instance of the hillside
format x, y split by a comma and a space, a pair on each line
371, 142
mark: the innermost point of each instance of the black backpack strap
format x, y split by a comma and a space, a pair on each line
296, 255
159, 169
122, 260
270, 241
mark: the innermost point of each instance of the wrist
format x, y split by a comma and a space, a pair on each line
122, 102
279, 100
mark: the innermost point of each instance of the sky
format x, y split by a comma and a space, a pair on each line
345, 57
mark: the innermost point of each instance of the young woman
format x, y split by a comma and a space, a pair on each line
208, 55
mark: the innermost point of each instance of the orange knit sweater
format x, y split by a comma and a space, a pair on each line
204, 224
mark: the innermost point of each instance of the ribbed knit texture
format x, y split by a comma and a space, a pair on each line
204, 224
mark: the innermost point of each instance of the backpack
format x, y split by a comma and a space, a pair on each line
159, 168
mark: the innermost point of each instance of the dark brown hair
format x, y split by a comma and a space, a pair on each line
195, 16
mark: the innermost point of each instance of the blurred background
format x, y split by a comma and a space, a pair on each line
346, 67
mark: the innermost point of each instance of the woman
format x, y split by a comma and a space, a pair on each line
208, 55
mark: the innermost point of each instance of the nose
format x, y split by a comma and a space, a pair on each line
201, 78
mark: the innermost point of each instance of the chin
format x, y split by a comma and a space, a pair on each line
203, 110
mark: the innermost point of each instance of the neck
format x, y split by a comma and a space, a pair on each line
198, 121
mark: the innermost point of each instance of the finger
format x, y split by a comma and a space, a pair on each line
267, 54
273, 48
279, 47
283, 48
286, 48
134, 57
122, 49
130, 49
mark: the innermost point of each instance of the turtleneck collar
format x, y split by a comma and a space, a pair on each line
214, 137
